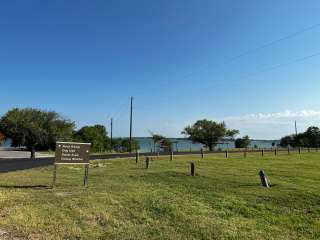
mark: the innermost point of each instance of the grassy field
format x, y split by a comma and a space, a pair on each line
125, 201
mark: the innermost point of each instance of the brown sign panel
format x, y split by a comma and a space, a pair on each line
72, 153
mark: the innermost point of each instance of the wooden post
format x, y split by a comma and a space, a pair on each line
54, 176
262, 152
193, 169
264, 179
171, 156
137, 157
227, 154
201, 153
147, 162
86, 173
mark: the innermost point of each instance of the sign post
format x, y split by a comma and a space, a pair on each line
72, 153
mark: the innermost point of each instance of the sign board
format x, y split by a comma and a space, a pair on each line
72, 153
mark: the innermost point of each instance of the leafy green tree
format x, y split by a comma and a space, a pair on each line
208, 132
123, 144
243, 142
35, 129
309, 138
96, 135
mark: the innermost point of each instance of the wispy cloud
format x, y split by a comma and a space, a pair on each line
273, 125
278, 116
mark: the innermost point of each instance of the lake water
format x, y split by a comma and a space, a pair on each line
146, 144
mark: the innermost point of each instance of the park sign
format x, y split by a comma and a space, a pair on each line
72, 153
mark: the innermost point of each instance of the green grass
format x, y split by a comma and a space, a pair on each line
125, 201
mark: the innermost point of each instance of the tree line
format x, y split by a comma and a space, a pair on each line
40, 130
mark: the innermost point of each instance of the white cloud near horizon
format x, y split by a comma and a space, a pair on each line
273, 125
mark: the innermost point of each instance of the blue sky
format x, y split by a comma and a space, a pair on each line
84, 59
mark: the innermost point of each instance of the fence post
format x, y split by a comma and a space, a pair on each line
264, 179
137, 157
193, 169
86, 173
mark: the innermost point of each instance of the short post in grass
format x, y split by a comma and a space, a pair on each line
275, 152
158, 154
171, 156
299, 150
227, 154
193, 169
201, 151
147, 162
86, 174
54, 176
245, 153
288, 150
262, 152
137, 157
264, 179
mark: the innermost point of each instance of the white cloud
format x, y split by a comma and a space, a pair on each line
278, 116
273, 125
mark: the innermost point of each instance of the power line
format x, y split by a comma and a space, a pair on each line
250, 51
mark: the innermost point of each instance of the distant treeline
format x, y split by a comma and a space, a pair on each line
309, 138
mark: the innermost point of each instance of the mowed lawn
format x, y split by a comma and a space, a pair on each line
126, 201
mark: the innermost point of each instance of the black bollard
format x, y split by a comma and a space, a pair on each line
171, 156
275, 152
201, 153
137, 157
262, 152
227, 154
264, 179
193, 169
147, 162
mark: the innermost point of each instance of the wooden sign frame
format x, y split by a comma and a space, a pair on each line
72, 153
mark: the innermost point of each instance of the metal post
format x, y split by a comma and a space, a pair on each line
201, 153
227, 154
147, 162
86, 173
54, 176
262, 152
171, 156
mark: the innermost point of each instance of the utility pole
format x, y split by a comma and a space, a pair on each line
111, 129
130, 146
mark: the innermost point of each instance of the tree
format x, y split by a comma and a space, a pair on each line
166, 144
309, 138
123, 144
243, 142
96, 135
2, 138
208, 132
156, 138
35, 129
